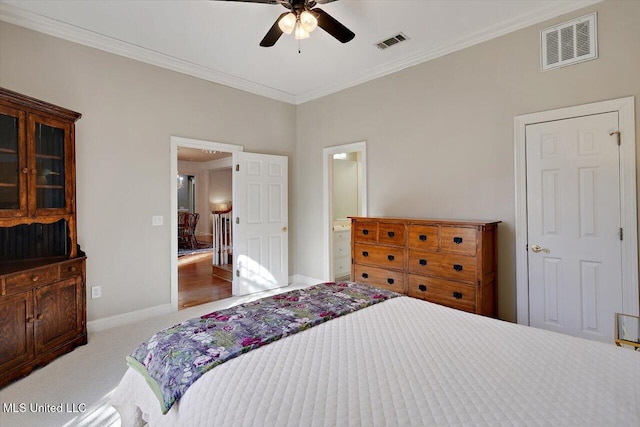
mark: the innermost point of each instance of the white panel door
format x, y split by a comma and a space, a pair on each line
260, 238
573, 208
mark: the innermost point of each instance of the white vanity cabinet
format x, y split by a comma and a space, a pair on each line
342, 253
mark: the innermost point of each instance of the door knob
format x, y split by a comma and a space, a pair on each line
537, 248
284, 229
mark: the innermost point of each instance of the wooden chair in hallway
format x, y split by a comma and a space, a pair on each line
187, 230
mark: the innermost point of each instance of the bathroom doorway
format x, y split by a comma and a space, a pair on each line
345, 195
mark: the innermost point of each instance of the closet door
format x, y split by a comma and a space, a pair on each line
260, 237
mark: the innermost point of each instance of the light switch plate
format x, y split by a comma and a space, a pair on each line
96, 291
157, 220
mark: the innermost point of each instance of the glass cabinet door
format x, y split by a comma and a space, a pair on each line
13, 200
49, 180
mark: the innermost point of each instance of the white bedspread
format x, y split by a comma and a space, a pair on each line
407, 362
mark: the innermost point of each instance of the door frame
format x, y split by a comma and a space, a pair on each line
327, 194
626, 121
175, 142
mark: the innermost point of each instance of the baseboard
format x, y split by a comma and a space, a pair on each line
298, 278
127, 318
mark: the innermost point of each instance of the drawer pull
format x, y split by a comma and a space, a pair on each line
390, 257
73, 269
391, 234
365, 253
30, 320
390, 281
423, 288
35, 278
457, 240
39, 316
423, 237
365, 275
423, 262
365, 232
457, 267
457, 295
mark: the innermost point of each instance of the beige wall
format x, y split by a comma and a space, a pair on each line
345, 188
130, 111
220, 186
440, 135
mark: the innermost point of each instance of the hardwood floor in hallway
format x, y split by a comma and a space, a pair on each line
196, 284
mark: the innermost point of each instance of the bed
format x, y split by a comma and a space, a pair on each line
406, 362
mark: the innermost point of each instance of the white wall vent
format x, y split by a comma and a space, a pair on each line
569, 43
400, 37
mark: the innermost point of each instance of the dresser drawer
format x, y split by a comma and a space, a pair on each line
423, 237
365, 231
382, 256
71, 269
391, 234
445, 292
455, 267
31, 279
458, 240
387, 279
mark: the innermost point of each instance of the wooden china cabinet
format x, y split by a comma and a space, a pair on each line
42, 268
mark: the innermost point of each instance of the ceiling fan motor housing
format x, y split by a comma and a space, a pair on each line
297, 7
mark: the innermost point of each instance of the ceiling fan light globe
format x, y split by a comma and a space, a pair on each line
301, 33
287, 23
308, 21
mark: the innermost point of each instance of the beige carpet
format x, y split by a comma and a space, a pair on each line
86, 377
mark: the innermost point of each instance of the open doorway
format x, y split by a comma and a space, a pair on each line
203, 187
345, 195
186, 192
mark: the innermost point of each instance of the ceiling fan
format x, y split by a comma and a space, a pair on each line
302, 18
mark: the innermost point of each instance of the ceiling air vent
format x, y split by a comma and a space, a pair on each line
569, 42
400, 37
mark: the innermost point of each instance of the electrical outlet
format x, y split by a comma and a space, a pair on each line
157, 220
96, 291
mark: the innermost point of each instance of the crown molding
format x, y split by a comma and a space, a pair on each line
33, 21
43, 24
553, 10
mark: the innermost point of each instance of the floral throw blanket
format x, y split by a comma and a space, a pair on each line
176, 357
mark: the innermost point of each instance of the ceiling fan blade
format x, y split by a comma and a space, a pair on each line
273, 34
332, 26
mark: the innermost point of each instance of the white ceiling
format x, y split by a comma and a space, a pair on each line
199, 155
218, 40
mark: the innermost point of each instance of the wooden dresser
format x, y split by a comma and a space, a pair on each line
453, 263
42, 268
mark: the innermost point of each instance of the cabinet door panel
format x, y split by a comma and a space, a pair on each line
58, 313
16, 330
51, 174
13, 180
